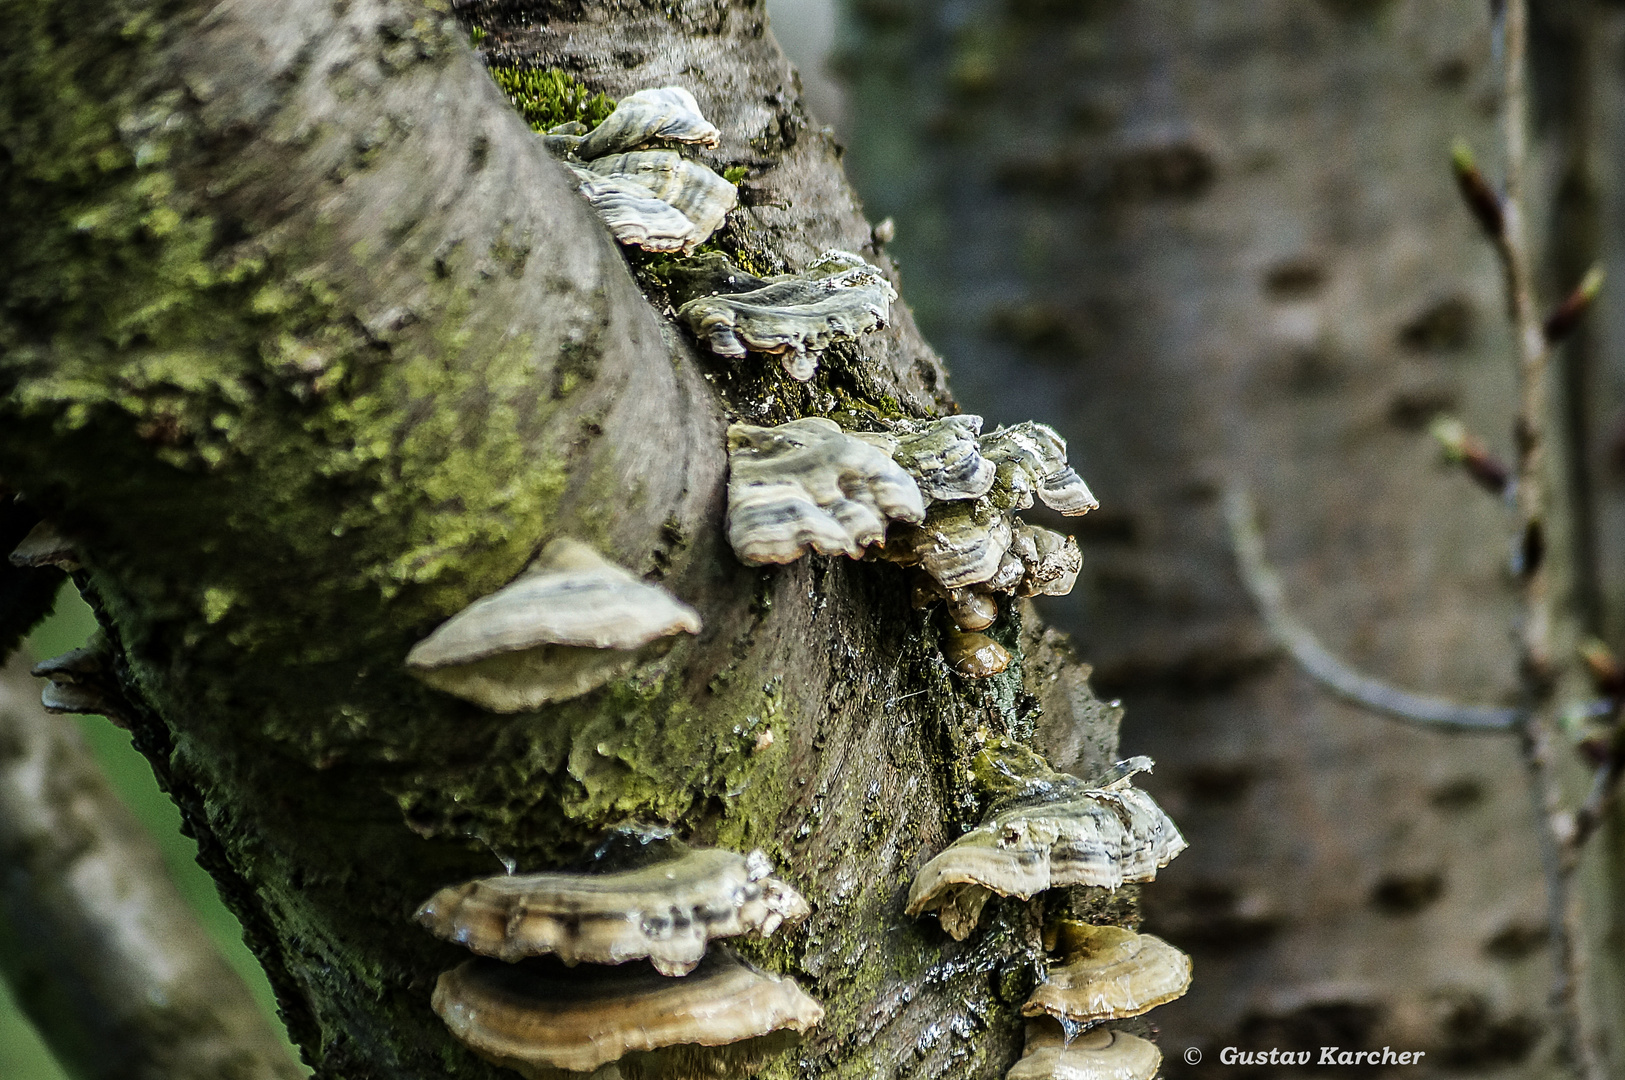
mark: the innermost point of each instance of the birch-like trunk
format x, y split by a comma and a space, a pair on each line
1221, 242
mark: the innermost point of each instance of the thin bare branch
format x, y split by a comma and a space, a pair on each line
1556, 829
104, 953
1264, 586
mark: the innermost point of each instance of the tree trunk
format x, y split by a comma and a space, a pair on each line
1221, 243
310, 344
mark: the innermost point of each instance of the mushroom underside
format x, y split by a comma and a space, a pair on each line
538, 1017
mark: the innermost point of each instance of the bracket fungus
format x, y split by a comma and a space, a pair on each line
667, 113
80, 682
959, 543
570, 623
666, 912
635, 215
971, 545
654, 198
536, 1018
809, 485
1075, 836
944, 458
565, 139
793, 316
1030, 457
1098, 1054
688, 187
1109, 973
1049, 561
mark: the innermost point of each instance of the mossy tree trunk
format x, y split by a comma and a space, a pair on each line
310, 344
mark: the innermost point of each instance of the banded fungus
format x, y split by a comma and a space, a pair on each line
667, 113
1071, 835
650, 196
538, 1018
691, 1010
944, 458
666, 912
688, 187
809, 485
971, 545
1030, 457
1098, 1054
570, 623
1049, 561
1108, 973
793, 316
959, 544
635, 215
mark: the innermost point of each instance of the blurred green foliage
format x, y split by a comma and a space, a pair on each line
22, 1056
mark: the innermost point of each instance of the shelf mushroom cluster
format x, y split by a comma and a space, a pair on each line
1071, 835
954, 493
650, 993
649, 194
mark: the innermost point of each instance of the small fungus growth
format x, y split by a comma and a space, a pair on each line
666, 912
666, 114
688, 187
649, 194
1108, 973
570, 623
944, 457
81, 682
46, 545
1070, 834
792, 316
1098, 1054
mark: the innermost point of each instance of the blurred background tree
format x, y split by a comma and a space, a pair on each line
1220, 242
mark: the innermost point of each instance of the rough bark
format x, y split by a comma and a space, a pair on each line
1221, 241
121, 979
309, 339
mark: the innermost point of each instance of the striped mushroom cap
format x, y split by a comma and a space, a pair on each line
1099, 836
666, 912
808, 485
1109, 973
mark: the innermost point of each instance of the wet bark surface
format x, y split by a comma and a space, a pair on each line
310, 341
1220, 243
